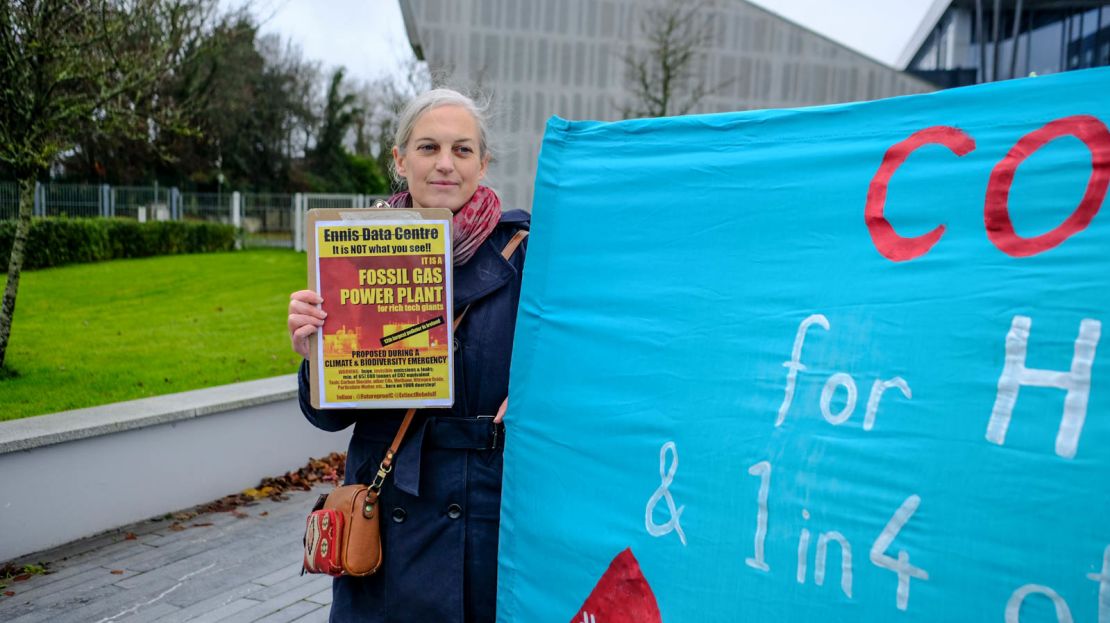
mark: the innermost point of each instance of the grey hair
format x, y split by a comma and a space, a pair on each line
437, 98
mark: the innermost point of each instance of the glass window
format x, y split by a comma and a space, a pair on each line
491, 63
727, 74
787, 86
579, 64
1044, 55
517, 112
526, 15
821, 83
759, 35
565, 64
520, 57
607, 59
1102, 41
549, 15
475, 52
543, 61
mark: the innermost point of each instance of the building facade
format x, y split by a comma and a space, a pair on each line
539, 58
968, 42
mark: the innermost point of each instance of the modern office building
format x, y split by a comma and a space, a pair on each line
540, 58
968, 41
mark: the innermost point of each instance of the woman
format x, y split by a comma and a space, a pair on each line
442, 504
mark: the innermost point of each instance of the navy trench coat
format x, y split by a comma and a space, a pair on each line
441, 506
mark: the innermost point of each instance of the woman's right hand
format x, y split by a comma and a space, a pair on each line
304, 318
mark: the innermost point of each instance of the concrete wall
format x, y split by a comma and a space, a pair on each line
69, 475
563, 57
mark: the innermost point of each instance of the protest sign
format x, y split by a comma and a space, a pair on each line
842, 363
385, 277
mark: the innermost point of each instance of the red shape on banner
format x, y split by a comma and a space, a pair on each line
622, 595
893, 246
996, 214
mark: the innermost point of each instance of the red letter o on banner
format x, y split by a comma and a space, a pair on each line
894, 247
996, 212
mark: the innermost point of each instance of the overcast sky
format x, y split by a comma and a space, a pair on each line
368, 36
878, 28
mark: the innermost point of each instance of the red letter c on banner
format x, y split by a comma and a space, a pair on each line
996, 212
894, 247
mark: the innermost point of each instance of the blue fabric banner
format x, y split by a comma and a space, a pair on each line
842, 363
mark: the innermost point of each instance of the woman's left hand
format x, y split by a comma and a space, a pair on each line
501, 411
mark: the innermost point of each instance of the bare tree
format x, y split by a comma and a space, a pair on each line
75, 67
663, 77
299, 83
381, 101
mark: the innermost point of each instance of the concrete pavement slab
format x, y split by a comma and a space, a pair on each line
220, 567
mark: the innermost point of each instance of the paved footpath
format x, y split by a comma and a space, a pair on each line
235, 567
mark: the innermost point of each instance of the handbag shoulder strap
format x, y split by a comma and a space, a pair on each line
387, 463
514, 242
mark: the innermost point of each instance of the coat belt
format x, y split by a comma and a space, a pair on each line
451, 433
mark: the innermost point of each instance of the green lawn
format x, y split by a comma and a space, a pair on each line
93, 334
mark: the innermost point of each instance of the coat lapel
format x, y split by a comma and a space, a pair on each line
484, 273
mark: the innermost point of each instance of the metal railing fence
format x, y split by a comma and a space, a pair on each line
212, 207
265, 219
140, 202
72, 200
268, 219
9, 200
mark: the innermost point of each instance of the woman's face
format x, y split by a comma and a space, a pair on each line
441, 161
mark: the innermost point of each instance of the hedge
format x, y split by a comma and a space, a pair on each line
60, 241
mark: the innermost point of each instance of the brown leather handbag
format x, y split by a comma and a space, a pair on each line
343, 534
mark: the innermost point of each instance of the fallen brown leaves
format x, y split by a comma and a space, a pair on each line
19, 573
10, 572
328, 469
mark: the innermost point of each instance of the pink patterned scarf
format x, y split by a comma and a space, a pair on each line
470, 226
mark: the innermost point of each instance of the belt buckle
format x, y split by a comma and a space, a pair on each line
495, 437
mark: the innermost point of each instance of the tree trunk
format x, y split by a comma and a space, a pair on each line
15, 264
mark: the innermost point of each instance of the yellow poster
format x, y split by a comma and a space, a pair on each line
386, 341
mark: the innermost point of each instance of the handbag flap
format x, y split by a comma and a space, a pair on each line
362, 543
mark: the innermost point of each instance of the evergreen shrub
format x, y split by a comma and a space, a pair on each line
61, 241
